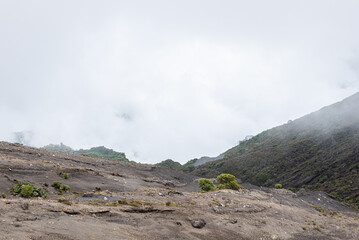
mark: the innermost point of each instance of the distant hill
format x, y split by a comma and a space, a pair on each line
204, 160
100, 151
188, 166
59, 148
319, 151
169, 163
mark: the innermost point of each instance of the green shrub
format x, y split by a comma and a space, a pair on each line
228, 181
60, 187
39, 192
65, 176
3, 195
225, 178
206, 185
278, 186
26, 191
15, 190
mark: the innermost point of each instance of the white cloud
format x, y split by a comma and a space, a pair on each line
162, 80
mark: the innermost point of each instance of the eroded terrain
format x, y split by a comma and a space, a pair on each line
115, 200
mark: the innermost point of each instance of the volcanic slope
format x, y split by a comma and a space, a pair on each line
111, 199
319, 151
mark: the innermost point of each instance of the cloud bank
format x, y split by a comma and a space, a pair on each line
164, 79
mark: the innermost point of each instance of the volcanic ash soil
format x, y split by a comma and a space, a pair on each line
115, 200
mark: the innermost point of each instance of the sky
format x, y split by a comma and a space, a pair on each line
170, 79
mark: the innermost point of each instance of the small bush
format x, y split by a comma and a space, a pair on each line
15, 190
60, 187
228, 181
26, 190
206, 185
225, 178
278, 186
65, 176
39, 192
3, 195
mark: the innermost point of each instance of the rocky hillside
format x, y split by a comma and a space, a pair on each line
110, 199
319, 151
204, 160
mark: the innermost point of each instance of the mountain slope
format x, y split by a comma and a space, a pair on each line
319, 151
120, 200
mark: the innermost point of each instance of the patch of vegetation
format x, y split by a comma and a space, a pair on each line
26, 190
64, 201
169, 163
100, 152
170, 204
59, 148
65, 175
227, 181
206, 185
103, 152
60, 187
278, 186
3, 195
187, 167
136, 203
319, 209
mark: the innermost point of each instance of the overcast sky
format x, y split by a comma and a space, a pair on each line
170, 79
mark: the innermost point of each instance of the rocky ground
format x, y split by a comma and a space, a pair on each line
115, 200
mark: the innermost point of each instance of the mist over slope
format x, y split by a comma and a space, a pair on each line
100, 151
319, 151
